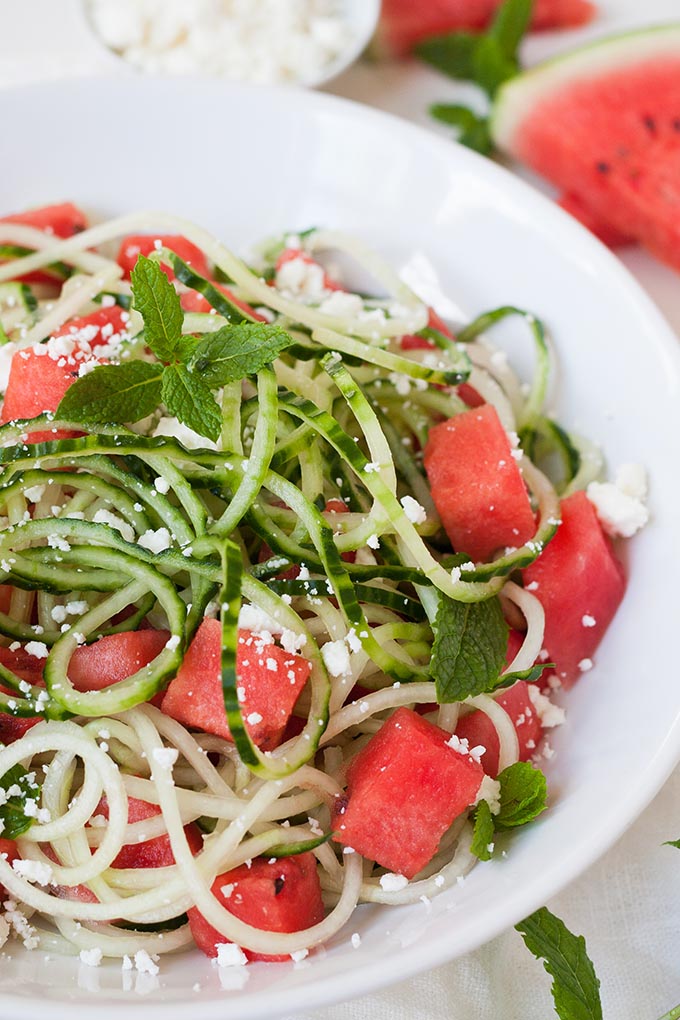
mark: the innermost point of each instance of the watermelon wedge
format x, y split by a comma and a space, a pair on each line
603, 124
405, 23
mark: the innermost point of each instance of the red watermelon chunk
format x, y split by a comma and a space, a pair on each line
271, 679
602, 124
28, 668
104, 326
580, 584
39, 376
404, 790
134, 245
274, 895
63, 220
114, 658
149, 853
476, 484
404, 23
478, 729
609, 235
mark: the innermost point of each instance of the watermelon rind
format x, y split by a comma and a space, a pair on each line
518, 97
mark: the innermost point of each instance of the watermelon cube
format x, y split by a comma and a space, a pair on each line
39, 377
274, 895
479, 731
404, 790
270, 677
98, 327
149, 853
114, 658
580, 584
134, 245
29, 668
476, 485
62, 220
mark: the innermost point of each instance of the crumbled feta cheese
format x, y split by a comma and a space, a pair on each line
299, 954
161, 485
91, 957
33, 871
253, 718
38, 649
490, 791
230, 955
265, 42
585, 664
106, 517
342, 304
393, 883
335, 655
34, 493
550, 715
155, 541
588, 621
301, 279
373, 542
619, 505
172, 427
356, 940
413, 510
172, 643
145, 963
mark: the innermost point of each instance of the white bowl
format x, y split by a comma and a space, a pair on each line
304, 159
361, 16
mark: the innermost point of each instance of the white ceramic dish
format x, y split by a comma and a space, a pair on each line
360, 16
305, 159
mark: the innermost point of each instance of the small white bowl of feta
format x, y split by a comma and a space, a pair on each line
298, 42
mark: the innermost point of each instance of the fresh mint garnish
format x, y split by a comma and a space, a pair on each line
190, 400
488, 60
18, 790
523, 795
187, 369
112, 394
575, 988
483, 832
158, 303
234, 351
531, 675
469, 648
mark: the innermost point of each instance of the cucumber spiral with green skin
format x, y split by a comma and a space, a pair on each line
152, 528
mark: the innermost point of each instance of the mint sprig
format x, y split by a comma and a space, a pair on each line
488, 60
575, 988
469, 648
186, 371
17, 790
523, 795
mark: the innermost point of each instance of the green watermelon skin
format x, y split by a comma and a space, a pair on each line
603, 124
404, 23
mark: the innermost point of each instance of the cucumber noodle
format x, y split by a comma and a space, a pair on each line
302, 430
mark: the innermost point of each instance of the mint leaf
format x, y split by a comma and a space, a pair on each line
523, 795
510, 25
531, 675
473, 131
483, 832
575, 988
469, 648
113, 394
190, 400
20, 789
158, 303
238, 350
491, 66
672, 842
451, 54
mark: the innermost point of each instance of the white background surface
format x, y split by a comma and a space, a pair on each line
628, 905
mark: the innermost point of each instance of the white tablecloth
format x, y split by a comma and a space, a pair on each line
628, 904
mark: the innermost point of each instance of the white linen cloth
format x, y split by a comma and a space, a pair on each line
628, 904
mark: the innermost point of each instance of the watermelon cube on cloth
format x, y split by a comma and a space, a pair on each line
476, 485
274, 895
580, 584
405, 23
404, 789
603, 124
271, 679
